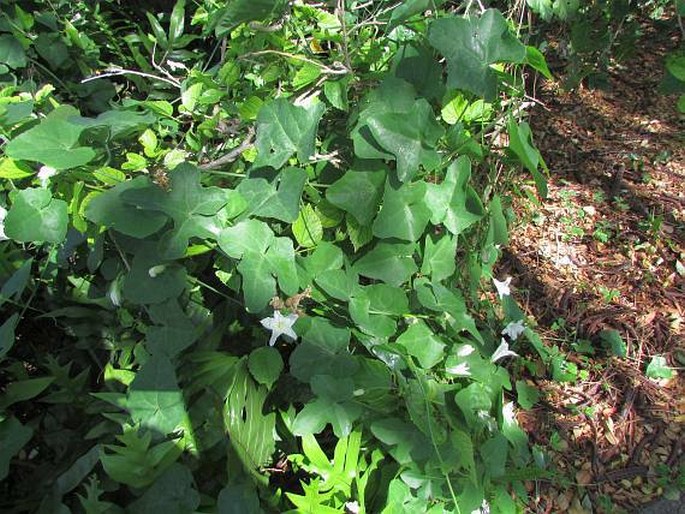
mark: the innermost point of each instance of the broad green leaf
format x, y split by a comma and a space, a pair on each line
409, 136
471, 44
542, 7
498, 233
15, 285
336, 93
494, 453
241, 11
615, 341
536, 60
259, 285
265, 365
454, 203
472, 399
284, 129
110, 210
191, 206
521, 144
440, 259
266, 200
658, 368
409, 8
249, 235
14, 170
141, 287
359, 190
173, 331
7, 334
172, 493
323, 351
392, 263
407, 442
251, 432
54, 142
422, 343
373, 308
36, 216
15, 112
307, 229
404, 213
119, 122
418, 66
326, 256
239, 499
565, 9
77, 472
314, 417
337, 283
11, 52
13, 437
360, 235
154, 398
281, 259
527, 395
23, 390
307, 74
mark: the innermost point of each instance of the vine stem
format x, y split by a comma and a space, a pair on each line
115, 71
233, 154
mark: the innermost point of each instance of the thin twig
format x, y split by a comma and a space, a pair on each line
116, 71
340, 69
232, 155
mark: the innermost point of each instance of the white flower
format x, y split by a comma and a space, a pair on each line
484, 508
114, 293
489, 421
44, 175
502, 352
3, 213
465, 350
502, 287
175, 66
352, 507
460, 369
280, 325
155, 271
508, 414
514, 329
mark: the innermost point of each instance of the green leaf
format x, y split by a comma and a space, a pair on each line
408, 443
359, 190
440, 259
314, 417
265, 365
15, 285
658, 368
615, 341
392, 263
498, 233
471, 44
259, 285
13, 436
54, 142
360, 235
239, 499
251, 431
154, 398
172, 493
409, 136
409, 8
284, 129
36, 216
422, 343
264, 199
191, 206
14, 170
542, 7
494, 453
7, 334
11, 52
418, 66
521, 144
373, 308
527, 394
140, 287
336, 93
454, 202
404, 213
565, 9
110, 210
536, 60
249, 235
307, 229
24, 390
173, 331
241, 11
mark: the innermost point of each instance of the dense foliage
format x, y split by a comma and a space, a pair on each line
248, 256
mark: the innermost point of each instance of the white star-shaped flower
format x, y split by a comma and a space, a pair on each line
460, 370
502, 287
44, 175
465, 350
280, 326
502, 352
514, 329
508, 413
3, 213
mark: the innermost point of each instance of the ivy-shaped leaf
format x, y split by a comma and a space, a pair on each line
191, 206
392, 263
307, 229
471, 44
284, 129
266, 200
404, 214
521, 144
36, 216
151, 279
54, 142
173, 331
454, 203
359, 190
